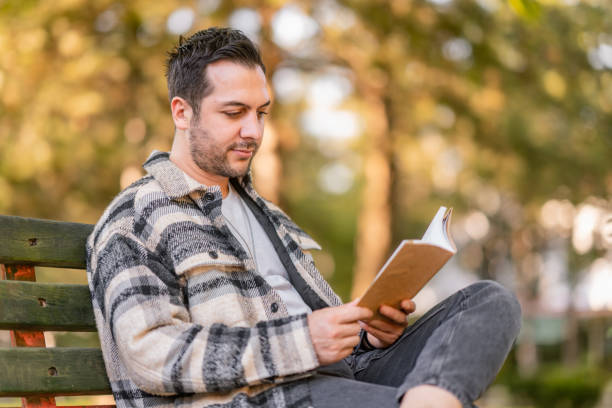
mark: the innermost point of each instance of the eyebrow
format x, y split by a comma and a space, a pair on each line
244, 105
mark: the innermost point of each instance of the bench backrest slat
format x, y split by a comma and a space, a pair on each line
45, 306
28, 371
42, 242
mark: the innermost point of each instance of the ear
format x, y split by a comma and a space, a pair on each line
182, 113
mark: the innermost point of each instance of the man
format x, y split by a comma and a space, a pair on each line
205, 295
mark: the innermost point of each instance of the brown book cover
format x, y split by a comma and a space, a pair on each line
412, 265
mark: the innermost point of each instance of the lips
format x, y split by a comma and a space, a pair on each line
243, 153
244, 150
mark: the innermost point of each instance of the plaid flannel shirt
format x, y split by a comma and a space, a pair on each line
183, 317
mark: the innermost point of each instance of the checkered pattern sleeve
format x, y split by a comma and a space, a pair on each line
141, 303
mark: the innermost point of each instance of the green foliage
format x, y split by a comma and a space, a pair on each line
521, 114
556, 387
524, 94
529, 9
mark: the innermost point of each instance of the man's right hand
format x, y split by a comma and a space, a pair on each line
335, 332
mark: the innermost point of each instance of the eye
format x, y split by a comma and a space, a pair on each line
261, 114
232, 114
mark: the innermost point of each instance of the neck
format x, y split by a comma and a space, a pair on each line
181, 157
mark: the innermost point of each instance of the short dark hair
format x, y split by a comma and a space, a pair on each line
187, 62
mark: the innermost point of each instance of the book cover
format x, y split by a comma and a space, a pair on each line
412, 265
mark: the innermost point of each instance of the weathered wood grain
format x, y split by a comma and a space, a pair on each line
42, 242
56, 371
45, 306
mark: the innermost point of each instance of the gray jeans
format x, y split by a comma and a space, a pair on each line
459, 345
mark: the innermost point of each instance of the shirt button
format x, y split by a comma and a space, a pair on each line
274, 307
209, 196
213, 254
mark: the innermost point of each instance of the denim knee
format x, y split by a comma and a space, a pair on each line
502, 303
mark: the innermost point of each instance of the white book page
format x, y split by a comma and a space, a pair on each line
435, 230
437, 233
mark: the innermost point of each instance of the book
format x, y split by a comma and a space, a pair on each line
413, 263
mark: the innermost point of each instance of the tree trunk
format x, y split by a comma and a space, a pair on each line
267, 168
374, 223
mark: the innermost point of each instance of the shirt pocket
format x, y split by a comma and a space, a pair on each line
195, 249
209, 260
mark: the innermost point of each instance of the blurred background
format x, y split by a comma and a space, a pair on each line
383, 111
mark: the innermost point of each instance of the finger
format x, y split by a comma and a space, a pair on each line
393, 314
390, 334
386, 338
408, 306
348, 343
346, 330
351, 313
386, 326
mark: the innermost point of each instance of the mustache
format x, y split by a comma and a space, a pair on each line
249, 145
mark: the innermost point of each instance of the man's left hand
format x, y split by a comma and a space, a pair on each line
383, 333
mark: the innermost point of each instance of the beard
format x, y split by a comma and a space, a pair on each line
212, 158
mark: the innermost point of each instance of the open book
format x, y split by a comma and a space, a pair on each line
412, 265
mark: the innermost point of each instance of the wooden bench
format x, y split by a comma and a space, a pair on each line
28, 369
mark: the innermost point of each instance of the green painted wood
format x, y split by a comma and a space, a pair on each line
45, 306
42, 242
57, 371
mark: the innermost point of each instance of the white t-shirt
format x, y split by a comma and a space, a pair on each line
254, 239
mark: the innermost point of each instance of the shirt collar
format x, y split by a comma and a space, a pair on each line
174, 181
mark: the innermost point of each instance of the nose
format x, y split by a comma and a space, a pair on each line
252, 127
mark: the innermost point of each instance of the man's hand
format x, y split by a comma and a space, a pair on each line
383, 333
335, 330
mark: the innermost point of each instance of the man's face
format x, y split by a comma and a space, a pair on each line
228, 131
